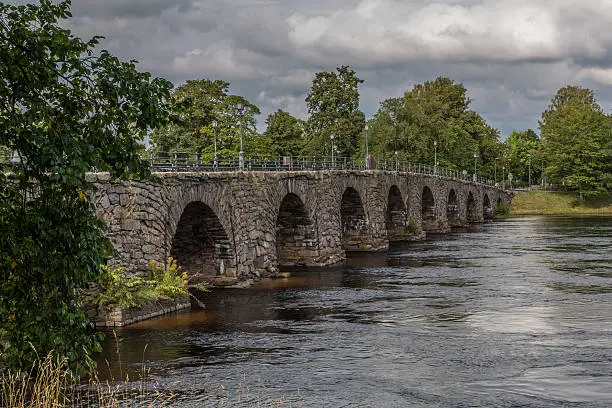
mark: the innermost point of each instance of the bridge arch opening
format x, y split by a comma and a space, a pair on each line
200, 244
500, 208
354, 222
472, 215
487, 208
428, 209
295, 232
396, 217
452, 208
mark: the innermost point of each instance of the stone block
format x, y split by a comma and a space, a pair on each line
113, 198
130, 224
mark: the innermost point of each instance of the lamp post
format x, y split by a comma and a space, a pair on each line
367, 156
504, 175
496, 159
215, 161
529, 172
475, 157
331, 138
435, 156
396, 161
240, 107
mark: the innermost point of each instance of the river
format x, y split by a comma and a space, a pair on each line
516, 312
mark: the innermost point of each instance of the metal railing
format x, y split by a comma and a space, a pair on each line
179, 161
182, 161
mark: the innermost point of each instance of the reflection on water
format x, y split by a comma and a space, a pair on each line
511, 313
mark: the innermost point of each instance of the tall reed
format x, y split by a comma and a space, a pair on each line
51, 385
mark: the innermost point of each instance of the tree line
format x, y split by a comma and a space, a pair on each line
67, 108
432, 121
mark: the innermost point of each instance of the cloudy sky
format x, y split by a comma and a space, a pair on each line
512, 55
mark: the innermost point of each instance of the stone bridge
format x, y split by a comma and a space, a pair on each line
246, 224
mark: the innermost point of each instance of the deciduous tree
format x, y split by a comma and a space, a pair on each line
65, 109
521, 154
199, 105
333, 108
285, 132
575, 133
435, 111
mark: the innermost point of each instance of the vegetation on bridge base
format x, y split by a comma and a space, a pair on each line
559, 203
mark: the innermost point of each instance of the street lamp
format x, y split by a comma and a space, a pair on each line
215, 159
529, 172
496, 159
331, 137
396, 161
475, 157
504, 175
367, 156
435, 156
240, 107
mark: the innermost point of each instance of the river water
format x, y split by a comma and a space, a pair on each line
516, 312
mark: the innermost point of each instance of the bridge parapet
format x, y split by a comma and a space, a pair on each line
194, 162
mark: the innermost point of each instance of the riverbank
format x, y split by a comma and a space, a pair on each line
558, 203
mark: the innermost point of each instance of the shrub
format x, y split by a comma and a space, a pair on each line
170, 280
413, 227
117, 289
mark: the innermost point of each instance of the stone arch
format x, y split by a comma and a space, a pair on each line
428, 209
354, 221
452, 208
396, 214
487, 208
471, 212
296, 240
201, 245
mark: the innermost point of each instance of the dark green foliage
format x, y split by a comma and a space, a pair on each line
437, 111
65, 110
285, 133
333, 108
521, 154
576, 137
199, 104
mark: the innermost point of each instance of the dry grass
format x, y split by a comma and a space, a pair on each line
559, 203
50, 384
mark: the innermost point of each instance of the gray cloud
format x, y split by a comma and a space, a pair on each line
128, 8
512, 55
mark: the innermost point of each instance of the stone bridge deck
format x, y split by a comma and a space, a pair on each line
245, 224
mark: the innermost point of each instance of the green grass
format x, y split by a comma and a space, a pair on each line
559, 203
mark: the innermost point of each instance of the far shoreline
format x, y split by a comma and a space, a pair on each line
559, 203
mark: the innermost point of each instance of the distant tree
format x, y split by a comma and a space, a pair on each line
196, 102
575, 133
435, 111
65, 109
199, 106
285, 132
521, 153
333, 108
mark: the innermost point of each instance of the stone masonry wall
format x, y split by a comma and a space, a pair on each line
232, 220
